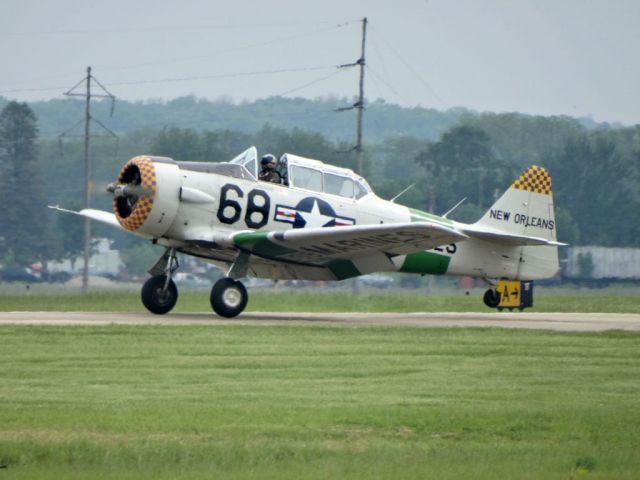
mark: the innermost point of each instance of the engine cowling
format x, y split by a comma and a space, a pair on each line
146, 195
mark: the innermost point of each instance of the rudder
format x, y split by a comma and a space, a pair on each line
527, 208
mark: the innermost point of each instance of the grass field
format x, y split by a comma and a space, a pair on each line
317, 402
326, 301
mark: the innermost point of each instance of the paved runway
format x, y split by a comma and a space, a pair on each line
577, 322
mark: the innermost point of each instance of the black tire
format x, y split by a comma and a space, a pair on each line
491, 298
228, 297
155, 298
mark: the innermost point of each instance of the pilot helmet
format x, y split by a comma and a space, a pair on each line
267, 159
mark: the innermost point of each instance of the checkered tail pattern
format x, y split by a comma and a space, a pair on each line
534, 179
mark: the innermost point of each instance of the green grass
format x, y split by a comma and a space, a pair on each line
324, 301
317, 402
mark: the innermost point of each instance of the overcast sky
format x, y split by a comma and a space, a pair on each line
572, 57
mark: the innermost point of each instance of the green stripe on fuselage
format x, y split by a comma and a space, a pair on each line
343, 269
426, 262
420, 216
258, 243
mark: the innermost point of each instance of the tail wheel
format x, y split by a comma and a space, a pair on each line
491, 298
156, 298
228, 297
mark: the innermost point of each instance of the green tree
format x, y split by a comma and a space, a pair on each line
462, 164
70, 232
209, 146
391, 168
524, 140
24, 219
585, 265
277, 140
592, 181
178, 143
140, 257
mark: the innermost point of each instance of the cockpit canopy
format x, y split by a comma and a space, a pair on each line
309, 174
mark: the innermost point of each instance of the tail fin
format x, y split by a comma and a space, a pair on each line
526, 208
524, 215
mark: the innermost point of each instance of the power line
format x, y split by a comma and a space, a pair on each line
287, 38
388, 85
412, 70
313, 82
225, 75
173, 28
24, 90
187, 79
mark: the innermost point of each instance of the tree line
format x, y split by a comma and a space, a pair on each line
596, 172
382, 120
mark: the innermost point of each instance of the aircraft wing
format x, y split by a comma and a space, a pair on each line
97, 215
101, 216
328, 245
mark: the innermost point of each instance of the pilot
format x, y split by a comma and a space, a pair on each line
268, 172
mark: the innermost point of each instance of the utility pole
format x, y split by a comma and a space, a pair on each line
87, 161
359, 105
87, 192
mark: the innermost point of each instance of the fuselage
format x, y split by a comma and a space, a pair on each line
191, 206
255, 205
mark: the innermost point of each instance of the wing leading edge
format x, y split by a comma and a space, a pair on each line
345, 249
101, 216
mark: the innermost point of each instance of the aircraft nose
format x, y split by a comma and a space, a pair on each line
134, 192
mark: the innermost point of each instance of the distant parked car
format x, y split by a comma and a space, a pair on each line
18, 274
376, 281
258, 283
59, 277
190, 280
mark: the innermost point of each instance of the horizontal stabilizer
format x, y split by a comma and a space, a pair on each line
488, 233
524, 217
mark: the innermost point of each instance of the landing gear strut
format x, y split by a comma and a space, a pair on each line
228, 296
159, 293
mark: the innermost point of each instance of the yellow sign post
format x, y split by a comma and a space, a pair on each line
514, 294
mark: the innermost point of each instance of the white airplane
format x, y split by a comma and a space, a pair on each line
321, 223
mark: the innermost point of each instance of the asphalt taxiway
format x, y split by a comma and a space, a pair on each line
575, 322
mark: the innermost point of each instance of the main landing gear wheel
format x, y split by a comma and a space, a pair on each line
156, 298
228, 297
491, 298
